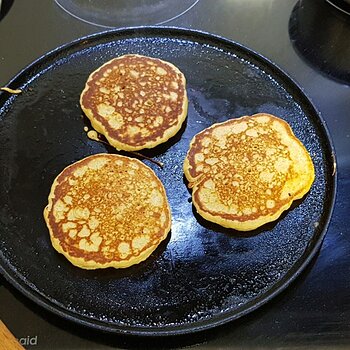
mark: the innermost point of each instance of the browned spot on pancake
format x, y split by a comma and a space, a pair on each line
136, 101
247, 171
107, 210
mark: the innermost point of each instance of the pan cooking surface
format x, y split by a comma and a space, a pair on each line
202, 275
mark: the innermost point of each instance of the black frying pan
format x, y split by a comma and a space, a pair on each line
203, 275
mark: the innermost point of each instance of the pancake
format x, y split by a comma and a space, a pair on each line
135, 101
245, 172
107, 210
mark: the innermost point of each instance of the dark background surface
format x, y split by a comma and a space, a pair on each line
309, 40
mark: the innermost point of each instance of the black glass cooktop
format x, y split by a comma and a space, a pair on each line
307, 39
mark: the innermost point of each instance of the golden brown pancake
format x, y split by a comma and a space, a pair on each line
135, 101
245, 172
107, 210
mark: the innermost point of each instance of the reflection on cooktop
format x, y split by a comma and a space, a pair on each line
342, 5
320, 35
121, 13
